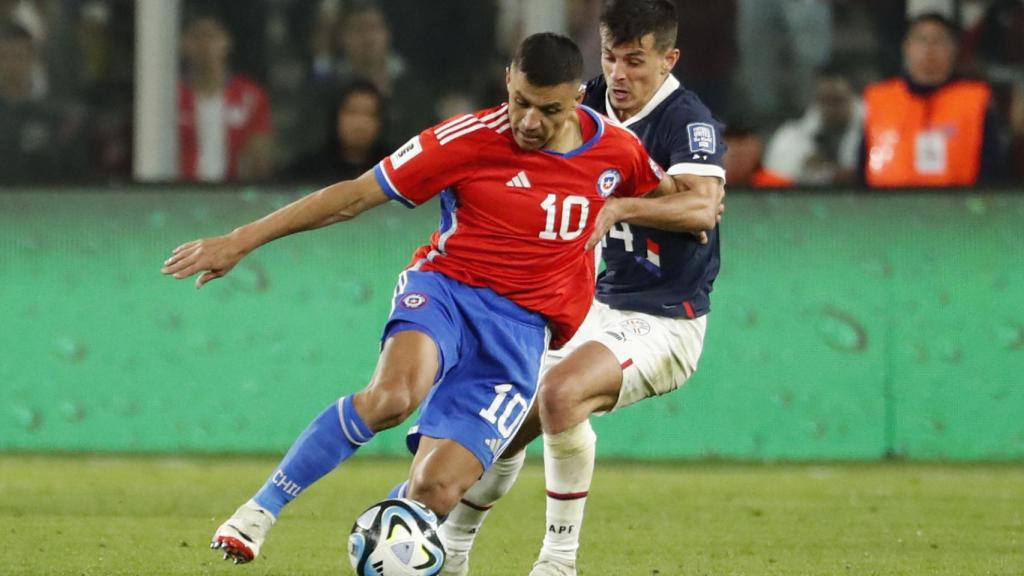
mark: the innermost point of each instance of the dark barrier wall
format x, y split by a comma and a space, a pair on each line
849, 327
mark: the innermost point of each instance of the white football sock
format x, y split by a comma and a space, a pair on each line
568, 471
460, 529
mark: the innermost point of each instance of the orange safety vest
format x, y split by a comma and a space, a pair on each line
924, 140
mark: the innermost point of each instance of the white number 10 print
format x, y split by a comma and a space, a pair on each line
551, 209
509, 419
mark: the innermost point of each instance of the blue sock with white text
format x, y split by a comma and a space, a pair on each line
327, 442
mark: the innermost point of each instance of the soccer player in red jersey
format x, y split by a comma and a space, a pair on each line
508, 273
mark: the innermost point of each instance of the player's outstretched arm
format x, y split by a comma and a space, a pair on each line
682, 203
216, 256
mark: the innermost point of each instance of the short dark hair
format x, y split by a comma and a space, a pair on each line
628, 20
937, 18
549, 59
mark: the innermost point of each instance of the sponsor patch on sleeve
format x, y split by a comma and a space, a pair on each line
407, 152
702, 138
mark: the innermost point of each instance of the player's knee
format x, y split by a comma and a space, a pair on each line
557, 397
386, 407
435, 492
570, 442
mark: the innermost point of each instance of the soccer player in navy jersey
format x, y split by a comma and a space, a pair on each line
507, 274
644, 333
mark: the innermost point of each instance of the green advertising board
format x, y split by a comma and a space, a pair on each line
853, 326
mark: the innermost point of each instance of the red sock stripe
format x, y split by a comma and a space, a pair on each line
568, 496
476, 507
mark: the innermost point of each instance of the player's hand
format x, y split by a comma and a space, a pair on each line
214, 257
606, 218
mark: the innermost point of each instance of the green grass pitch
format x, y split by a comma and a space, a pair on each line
107, 516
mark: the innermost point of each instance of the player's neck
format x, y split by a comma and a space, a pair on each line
624, 115
569, 138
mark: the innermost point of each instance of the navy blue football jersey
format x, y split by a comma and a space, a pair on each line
656, 271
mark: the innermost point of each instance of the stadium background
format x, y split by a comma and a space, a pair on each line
844, 327
884, 329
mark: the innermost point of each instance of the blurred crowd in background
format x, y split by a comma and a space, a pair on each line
813, 92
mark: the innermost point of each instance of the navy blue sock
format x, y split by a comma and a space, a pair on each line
328, 441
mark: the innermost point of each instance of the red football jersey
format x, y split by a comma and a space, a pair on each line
246, 113
516, 221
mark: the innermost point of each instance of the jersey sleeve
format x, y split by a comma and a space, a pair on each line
423, 167
695, 141
643, 174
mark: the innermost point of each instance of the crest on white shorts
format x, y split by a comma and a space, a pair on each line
413, 301
636, 326
608, 181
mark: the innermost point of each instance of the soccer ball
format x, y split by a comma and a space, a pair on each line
396, 537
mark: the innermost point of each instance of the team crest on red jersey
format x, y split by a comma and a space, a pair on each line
608, 181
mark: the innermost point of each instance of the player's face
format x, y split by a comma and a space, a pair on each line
634, 71
929, 53
538, 113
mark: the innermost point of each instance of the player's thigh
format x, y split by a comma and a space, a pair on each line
586, 381
403, 375
657, 354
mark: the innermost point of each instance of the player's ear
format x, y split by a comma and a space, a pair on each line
671, 58
580, 95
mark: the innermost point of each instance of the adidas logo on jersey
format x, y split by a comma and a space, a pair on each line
520, 181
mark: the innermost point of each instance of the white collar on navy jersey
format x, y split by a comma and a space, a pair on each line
667, 87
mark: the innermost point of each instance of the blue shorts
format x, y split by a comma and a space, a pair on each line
490, 350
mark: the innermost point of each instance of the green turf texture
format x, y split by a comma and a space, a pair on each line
113, 516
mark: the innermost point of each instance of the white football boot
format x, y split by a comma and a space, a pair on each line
241, 536
456, 565
551, 568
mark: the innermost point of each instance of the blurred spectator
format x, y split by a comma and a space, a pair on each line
707, 41
223, 118
1017, 127
30, 16
582, 16
743, 159
774, 32
995, 47
355, 139
39, 140
930, 127
821, 148
361, 47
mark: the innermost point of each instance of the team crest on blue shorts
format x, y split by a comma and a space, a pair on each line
608, 181
412, 301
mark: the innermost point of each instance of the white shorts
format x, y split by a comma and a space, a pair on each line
657, 354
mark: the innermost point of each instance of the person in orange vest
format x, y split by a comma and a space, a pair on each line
930, 127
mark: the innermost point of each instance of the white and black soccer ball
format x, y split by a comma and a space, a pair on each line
396, 537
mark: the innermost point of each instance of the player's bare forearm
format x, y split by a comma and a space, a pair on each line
335, 203
216, 256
